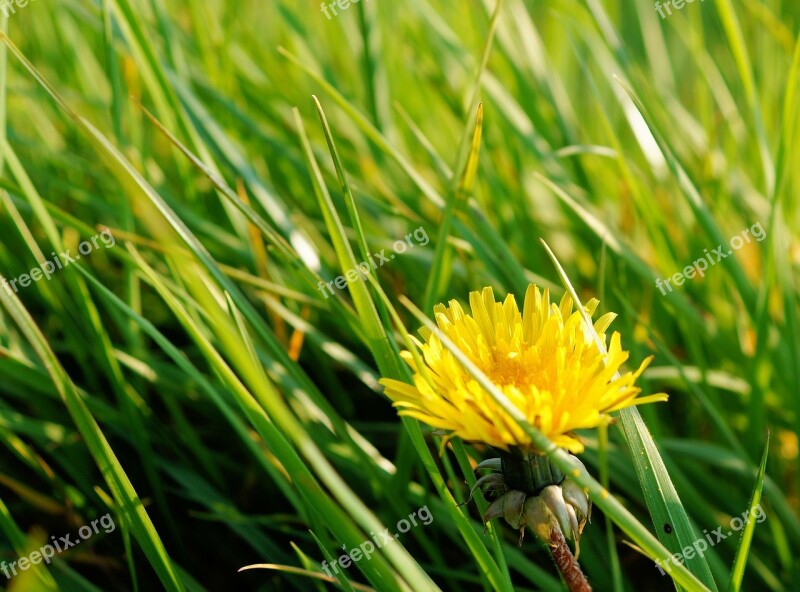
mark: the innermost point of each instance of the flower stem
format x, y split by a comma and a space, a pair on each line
566, 563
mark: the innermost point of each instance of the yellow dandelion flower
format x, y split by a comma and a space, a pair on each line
542, 359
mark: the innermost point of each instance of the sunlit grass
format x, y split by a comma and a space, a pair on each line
194, 380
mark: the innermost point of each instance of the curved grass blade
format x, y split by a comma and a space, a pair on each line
702, 212
739, 564
279, 429
19, 542
499, 580
383, 352
375, 333
110, 467
483, 234
662, 499
442, 268
733, 31
291, 569
467, 162
600, 495
340, 576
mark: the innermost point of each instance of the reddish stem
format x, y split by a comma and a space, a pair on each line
569, 568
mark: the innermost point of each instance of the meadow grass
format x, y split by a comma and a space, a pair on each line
196, 383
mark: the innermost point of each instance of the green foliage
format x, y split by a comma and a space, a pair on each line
203, 383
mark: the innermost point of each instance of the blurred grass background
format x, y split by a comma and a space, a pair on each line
243, 407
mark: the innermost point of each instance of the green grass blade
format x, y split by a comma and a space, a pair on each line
667, 511
599, 495
442, 267
743, 551
113, 473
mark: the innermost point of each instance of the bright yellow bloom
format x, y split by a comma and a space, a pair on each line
543, 360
